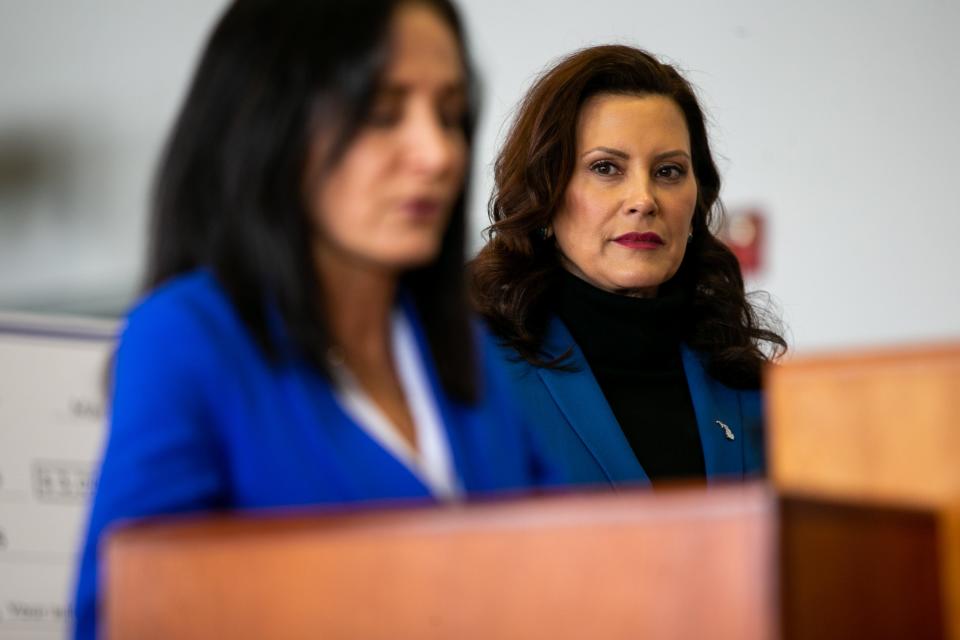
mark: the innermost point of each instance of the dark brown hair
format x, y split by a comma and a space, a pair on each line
229, 193
514, 273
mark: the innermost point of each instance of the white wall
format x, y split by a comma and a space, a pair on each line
836, 118
87, 90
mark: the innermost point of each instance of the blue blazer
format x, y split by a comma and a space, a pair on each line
574, 419
201, 420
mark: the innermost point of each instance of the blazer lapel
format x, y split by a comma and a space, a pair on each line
459, 458
718, 418
582, 403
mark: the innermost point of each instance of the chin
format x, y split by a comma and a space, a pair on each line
413, 257
630, 286
636, 280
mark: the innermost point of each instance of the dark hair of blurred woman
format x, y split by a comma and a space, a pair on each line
230, 192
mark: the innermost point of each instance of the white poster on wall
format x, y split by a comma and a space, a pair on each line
52, 396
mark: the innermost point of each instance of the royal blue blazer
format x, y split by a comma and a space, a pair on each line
200, 420
572, 416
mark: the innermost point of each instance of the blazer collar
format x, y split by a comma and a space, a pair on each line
718, 418
582, 403
459, 457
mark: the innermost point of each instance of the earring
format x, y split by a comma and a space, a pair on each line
545, 232
690, 237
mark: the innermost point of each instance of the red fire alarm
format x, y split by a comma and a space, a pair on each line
743, 232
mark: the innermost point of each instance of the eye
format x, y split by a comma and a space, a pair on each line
604, 168
384, 116
451, 107
671, 172
450, 117
386, 110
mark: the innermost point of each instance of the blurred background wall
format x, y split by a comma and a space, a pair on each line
88, 89
837, 121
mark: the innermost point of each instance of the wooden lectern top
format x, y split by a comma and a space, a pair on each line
606, 566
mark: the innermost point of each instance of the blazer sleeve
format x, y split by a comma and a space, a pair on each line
160, 456
545, 467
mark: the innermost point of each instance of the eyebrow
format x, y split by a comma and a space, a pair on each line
399, 89
610, 150
625, 156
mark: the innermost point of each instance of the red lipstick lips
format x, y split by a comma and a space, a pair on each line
422, 208
646, 240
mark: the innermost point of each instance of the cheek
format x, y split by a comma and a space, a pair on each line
691, 205
452, 181
682, 223
460, 154
332, 204
579, 227
348, 193
578, 222
683, 210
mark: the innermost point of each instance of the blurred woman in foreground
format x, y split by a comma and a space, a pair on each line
622, 318
305, 339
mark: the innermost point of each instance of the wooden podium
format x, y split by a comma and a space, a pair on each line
849, 541
868, 426
872, 428
589, 566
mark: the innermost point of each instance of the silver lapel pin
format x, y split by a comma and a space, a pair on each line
727, 431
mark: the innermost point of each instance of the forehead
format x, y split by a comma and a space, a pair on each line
631, 120
424, 48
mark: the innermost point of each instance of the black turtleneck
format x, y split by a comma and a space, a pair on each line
633, 348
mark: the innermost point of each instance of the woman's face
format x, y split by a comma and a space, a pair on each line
628, 207
387, 201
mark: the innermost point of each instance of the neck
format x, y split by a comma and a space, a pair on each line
360, 296
618, 329
359, 299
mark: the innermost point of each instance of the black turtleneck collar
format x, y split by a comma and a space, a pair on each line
633, 348
618, 329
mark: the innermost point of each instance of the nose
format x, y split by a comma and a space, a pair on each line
641, 198
431, 147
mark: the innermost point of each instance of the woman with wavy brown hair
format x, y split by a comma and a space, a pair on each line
622, 318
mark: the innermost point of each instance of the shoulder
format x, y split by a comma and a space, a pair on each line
181, 323
191, 304
498, 354
189, 297
530, 382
